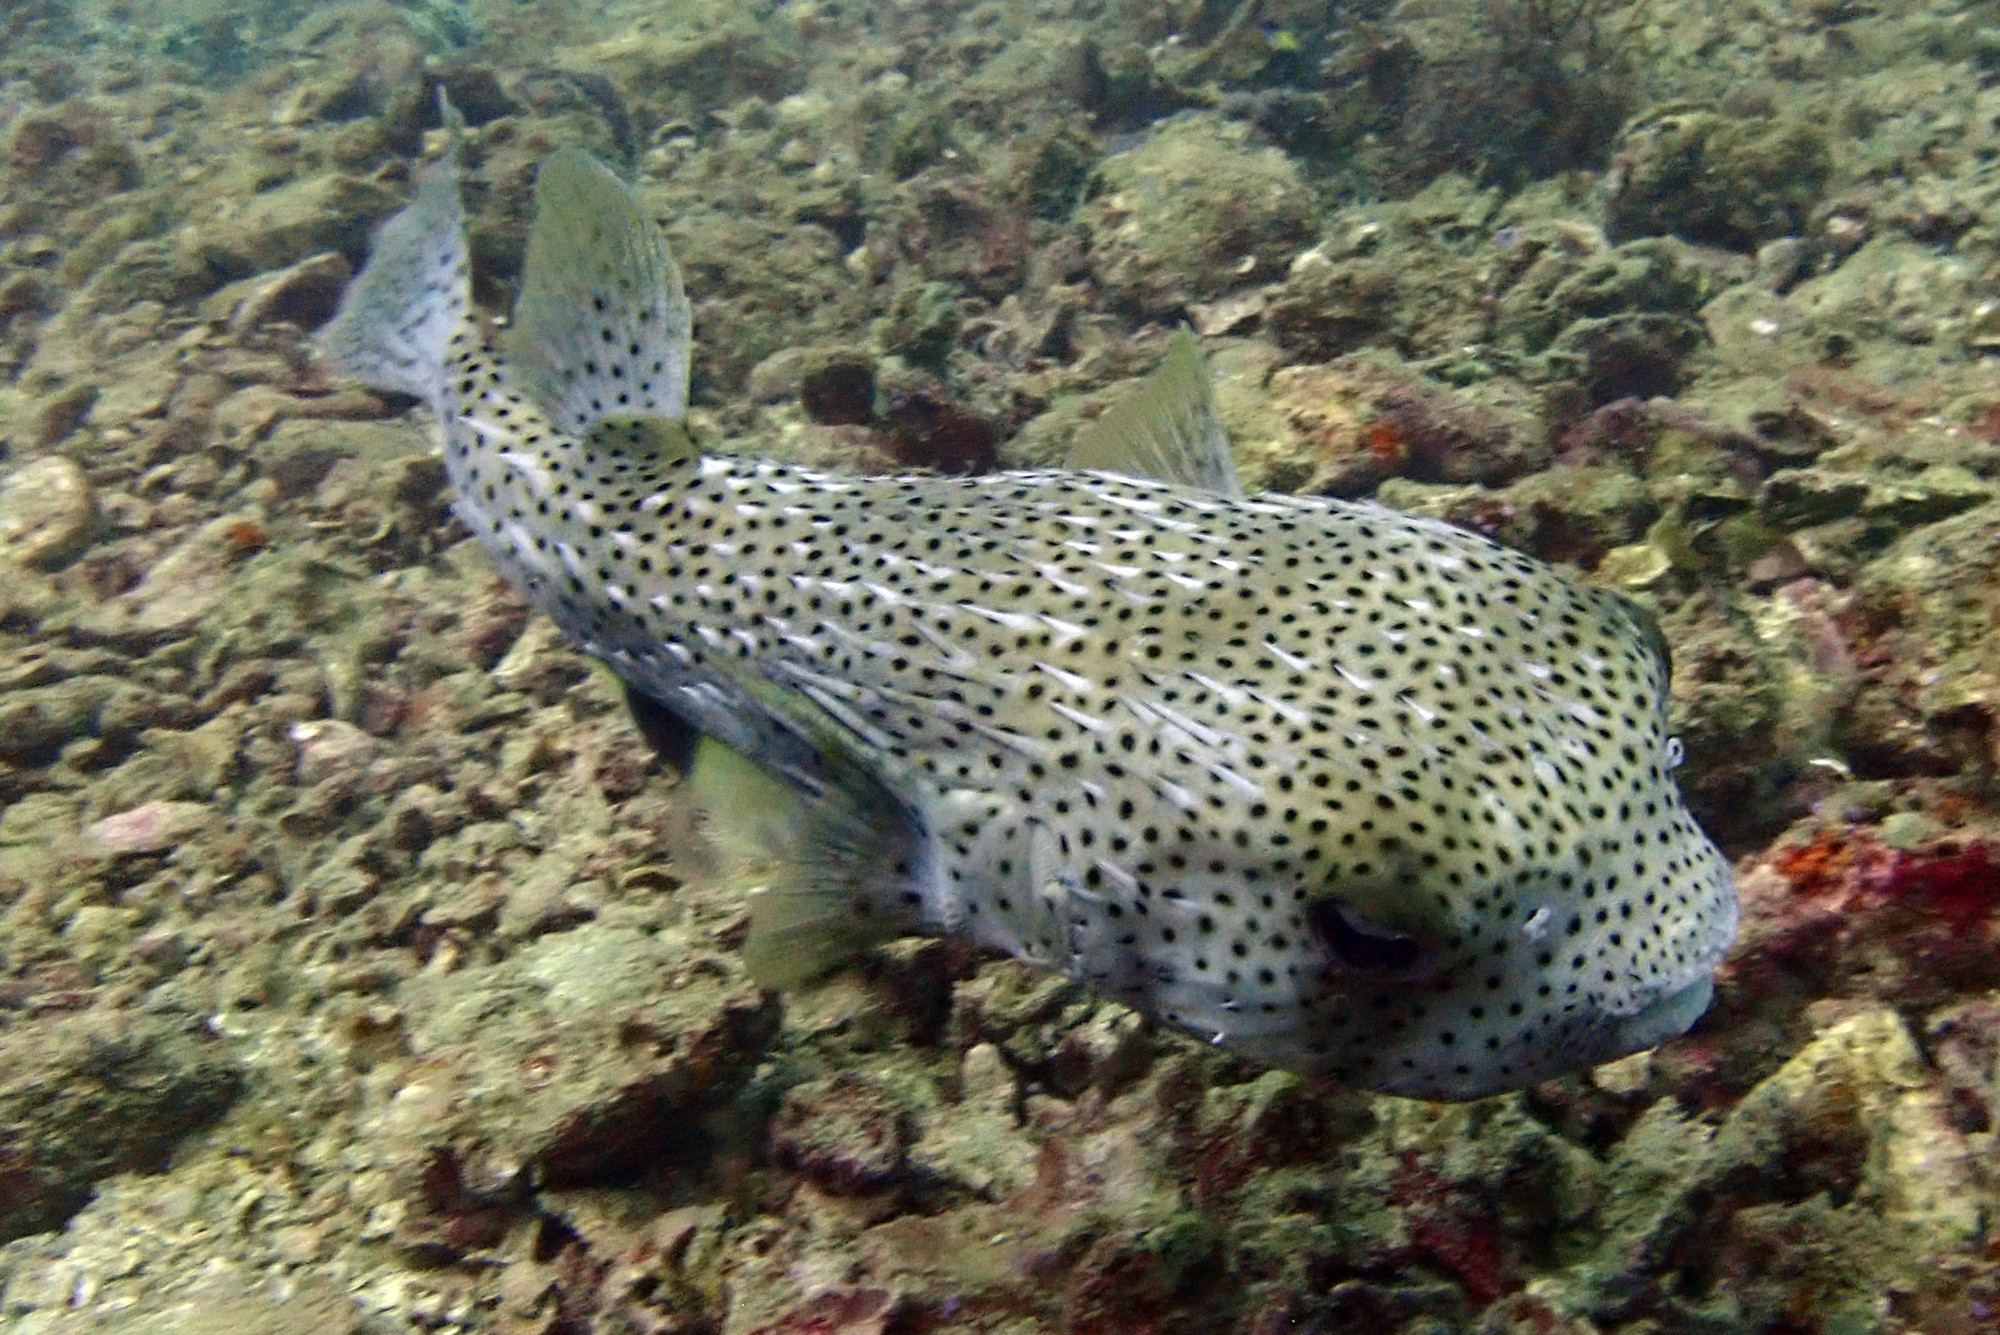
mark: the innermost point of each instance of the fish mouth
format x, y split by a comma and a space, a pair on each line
1663, 1018
1666, 1016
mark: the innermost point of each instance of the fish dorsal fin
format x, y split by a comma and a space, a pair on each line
1166, 429
817, 867
601, 325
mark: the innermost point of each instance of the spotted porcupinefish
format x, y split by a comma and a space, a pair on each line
1346, 791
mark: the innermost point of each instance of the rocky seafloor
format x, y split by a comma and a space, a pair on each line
358, 971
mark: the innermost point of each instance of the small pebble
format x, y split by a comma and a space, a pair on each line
48, 513
151, 828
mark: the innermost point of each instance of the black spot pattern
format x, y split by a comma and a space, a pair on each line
1150, 735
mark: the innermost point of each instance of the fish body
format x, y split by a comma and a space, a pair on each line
1350, 792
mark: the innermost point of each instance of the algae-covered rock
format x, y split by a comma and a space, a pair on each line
585, 1054
1850, 911
1575, 514
836, 386
153, 827
186, 586
1327, 307
1931, 695
1847, 1143
147, 270
1716, 179
1937, 492
978, 1143
304, 294
922, 325
1197, 209
62, 413
696, 58
224, 1301
85, 1096
1305, 431
289, 223
1554, 273
1730, 691
846, 1133
1568, 513
36, 722
1893, 309
1888, 503
39, 820
1807, 496
797, 293
1638, 355
1342, 428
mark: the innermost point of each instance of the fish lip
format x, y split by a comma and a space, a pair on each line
1666, 1016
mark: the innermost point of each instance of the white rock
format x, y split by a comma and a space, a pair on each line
48, 513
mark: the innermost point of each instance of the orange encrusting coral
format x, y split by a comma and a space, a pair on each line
1386, 442
1959, 880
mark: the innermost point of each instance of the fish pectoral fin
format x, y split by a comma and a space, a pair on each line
826, 873
601, 327
800, 932
1166, 429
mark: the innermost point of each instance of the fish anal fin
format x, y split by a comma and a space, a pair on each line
1166, 429
824, 873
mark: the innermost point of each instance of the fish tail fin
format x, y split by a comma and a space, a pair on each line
824, 870
601, 327
397, 318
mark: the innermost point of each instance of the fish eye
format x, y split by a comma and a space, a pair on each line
1361, 945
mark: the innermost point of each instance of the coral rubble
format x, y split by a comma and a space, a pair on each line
360, 967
